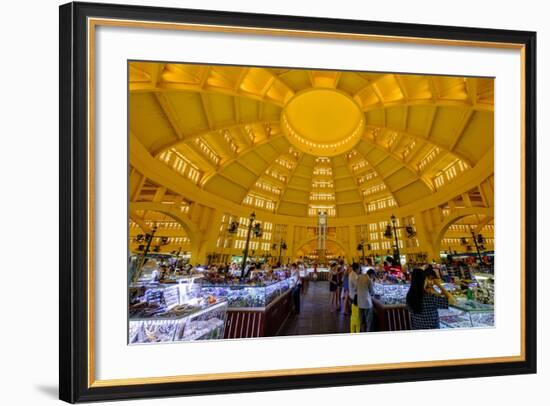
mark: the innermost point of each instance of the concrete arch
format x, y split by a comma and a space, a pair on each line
308, 240
486, 220
139, 221
190, 228
453, 217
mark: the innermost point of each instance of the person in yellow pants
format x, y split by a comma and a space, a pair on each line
355, 322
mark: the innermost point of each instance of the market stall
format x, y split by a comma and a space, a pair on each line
473, 307
467, 313
317, 274
174, 312
391, 313
256, 309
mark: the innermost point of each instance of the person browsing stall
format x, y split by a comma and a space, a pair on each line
365, 293
423, 301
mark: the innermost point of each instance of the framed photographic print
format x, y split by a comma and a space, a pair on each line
242, 193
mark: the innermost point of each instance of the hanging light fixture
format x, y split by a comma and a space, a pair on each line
388, 232
233, 227
410, 231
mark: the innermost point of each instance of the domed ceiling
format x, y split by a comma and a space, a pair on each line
294, 141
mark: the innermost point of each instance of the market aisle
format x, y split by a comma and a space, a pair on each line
315, 316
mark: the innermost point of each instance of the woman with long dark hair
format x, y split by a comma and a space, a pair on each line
423, 301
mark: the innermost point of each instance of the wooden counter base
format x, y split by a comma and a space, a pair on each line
260, 322
391, 317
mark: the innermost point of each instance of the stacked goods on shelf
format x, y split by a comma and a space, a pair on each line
250, 294
162, 315
473, 307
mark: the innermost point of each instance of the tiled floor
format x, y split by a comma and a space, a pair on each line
315, 316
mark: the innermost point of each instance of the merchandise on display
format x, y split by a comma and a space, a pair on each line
467, 314
476, 311
179, 312
253, 295
391, 294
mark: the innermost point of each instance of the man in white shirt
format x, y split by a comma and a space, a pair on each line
295, 272
365, 293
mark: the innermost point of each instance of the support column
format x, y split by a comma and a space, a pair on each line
290, 243
424, 237
159, 194
466, 200
352, 252
209, 235
139, 221
487, 193
136, 183
195, 253
322, 236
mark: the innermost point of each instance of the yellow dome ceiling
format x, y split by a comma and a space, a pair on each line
322, 121
294, 141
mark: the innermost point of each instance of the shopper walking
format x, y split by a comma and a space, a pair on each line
345, 290
423, 301
295, 272
365, 292
340, 273
333, 287
355, 321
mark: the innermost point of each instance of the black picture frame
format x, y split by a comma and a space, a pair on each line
74, 200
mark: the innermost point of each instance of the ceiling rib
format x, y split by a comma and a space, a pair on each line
230, 127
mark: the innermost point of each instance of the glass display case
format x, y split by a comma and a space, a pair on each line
190, 324
181, 278
485, 290
479, 291
178, 312
248, 295
318, 274
467, 314
319, 270
391, 294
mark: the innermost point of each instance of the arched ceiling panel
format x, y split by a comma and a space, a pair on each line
351, 82
420, 118
478, 136
348, 196
149, 123
189, 111
232, 191
448, 124
400, 177
220, 126
416, 87
246, 109
345, 183
239, 173
296, 79
396, 117
409, 193
350, 210
220, 108
292, 209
